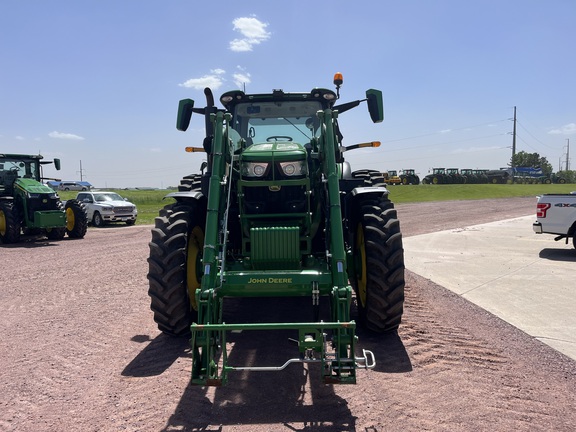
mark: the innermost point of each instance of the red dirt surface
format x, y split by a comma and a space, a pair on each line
80, 352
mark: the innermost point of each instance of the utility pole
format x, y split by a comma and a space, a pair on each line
567, 154
513, 141
81, 172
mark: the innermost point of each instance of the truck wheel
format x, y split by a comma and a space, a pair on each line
97, 220
76, 220
379, 266
175, 267
10, 223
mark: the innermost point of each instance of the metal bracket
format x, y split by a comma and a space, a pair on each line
315, 294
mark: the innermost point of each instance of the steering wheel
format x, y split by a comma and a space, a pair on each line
278, 138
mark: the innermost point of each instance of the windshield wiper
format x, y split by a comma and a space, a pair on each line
297, 128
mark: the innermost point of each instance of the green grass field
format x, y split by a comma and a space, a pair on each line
149, 202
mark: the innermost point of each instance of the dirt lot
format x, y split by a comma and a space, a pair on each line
80, 352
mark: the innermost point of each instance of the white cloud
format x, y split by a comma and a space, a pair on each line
240, 45
66, 136
214, 80
569, 129
241, 78
20, 138
253, 31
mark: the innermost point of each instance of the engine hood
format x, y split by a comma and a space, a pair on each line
32, 186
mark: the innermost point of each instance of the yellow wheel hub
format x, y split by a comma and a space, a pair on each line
193, 263
2, 223
70, 219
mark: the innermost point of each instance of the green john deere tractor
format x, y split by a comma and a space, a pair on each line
278, 212
30, 207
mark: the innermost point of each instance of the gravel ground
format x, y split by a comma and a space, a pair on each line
80, 352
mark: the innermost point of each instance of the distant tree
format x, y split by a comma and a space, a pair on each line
532, 160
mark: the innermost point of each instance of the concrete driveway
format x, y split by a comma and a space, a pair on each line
524, 278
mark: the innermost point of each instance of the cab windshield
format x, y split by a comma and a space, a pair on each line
277, 121
108, 197
20, 168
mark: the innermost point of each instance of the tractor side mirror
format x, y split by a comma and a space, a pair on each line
375, 105
184, 114
57, 164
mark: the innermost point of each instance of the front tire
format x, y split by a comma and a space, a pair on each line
76, 220
174, 266
378, 256
10, 223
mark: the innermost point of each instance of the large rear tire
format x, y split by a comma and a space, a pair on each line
174, 266
190, 182
76, 219
10, 223
378, 265
370, 177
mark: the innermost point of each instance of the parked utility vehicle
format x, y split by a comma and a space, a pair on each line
556, 214
409, 177
103, 207
278, 213
391, 177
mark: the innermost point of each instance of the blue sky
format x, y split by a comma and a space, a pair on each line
99, 81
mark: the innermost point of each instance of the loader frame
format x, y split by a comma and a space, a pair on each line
209, 334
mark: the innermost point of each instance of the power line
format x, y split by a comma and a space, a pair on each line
529, 133
440, 132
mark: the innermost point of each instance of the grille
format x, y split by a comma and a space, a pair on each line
261, 200
275, 248
42, 203
122, 209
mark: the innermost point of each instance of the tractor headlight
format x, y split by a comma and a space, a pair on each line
254, 169
293, 169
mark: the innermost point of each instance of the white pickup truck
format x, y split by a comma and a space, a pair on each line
556, 214
103, 207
